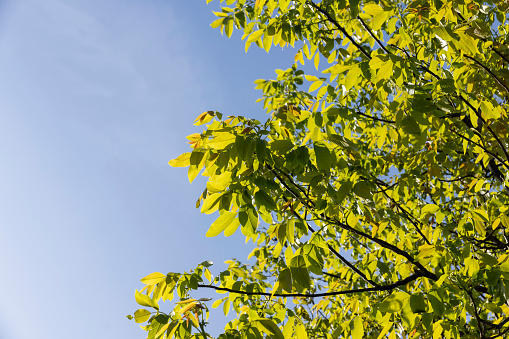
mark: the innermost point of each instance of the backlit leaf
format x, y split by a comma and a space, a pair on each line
142, 315
221, 223
153, 278
394, 303
145, 300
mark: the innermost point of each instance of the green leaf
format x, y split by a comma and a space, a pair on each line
394, 303
437, 304
299, 271
363, 189
447, 85
323, 156
221, 223
142, 315
206, 263
285, 280
417, 303
281, 146
145, 300
343, 191
488, 259
410, 125
264, 199
260, 150
270, 328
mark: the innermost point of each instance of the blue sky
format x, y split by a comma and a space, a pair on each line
95, 98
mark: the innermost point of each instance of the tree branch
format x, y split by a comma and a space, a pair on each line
340, 257
318, 295
500, 54
331, 249
385, 245
344, 226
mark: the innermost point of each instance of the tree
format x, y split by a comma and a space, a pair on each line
378, 197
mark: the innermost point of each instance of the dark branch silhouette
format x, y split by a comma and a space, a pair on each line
318, 295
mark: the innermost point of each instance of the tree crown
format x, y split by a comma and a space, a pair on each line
377, 189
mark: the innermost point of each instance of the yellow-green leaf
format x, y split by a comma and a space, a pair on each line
221, 224
181, 161
145, 300
352, 76
255, 36
385, 71
373, 9
221, 140
394, 303
315, 85
153, 278
430, 208
210, 203
358, 328
270, 328
300, 331
142, 315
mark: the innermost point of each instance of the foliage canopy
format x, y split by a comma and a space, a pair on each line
377, 189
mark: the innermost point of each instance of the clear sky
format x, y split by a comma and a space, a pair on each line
95, 98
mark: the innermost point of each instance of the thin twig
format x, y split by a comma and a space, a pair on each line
500, 54
484, 148
375, 118
372, 35
489, 71
407, 216
476, 314
383, 244
329, 17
